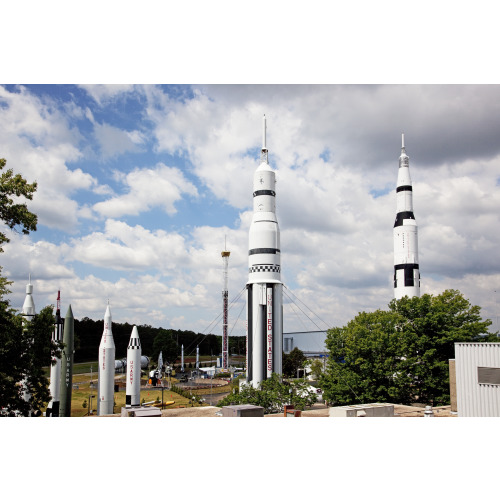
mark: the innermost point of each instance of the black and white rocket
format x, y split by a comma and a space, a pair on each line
264, 287
134, 351
106, 368
406, 268
55, 368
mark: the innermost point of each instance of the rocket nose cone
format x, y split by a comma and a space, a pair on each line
69, 314
135, 333
107, 314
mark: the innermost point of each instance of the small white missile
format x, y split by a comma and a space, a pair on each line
106, 368
406, 267
27, 314
133, 394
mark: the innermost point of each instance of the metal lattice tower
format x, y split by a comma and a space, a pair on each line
225, 263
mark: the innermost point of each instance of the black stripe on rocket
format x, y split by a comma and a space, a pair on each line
401, 216
264, 192
249, 334
409, 274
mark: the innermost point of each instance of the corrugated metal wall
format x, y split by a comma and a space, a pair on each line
475, 399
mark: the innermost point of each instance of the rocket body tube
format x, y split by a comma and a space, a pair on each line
106, 368
67, 364
264, 288
406, 265
134, 351
55, 368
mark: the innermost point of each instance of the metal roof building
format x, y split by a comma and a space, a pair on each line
477, 368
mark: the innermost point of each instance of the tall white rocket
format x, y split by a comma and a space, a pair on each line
134, 352
264, 287
406, 268
106, 368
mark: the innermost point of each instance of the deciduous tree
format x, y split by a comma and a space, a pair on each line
166, 343
24, 352
13, 214
293, 361
400, 355
272, 394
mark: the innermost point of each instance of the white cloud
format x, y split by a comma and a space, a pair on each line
104, 93
161, 186
38, 142
114, 141
331, 148
123, 247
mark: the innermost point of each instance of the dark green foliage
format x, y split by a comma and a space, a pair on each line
400, 355
272, 395
169, 348
15, 214
316, 369
180, 391
23, 354
88, 333
292, 362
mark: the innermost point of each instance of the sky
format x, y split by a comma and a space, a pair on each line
140, 186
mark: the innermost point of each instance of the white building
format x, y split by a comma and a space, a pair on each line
477, 367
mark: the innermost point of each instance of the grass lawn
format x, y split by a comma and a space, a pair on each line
81, 391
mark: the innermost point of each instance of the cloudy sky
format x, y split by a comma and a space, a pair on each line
139, 185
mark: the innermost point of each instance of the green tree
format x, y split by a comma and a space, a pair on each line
24, 352
293, 361
166, 343
316, 369
15, 214
400, 355
272, 394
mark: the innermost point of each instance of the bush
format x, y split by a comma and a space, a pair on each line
273, 394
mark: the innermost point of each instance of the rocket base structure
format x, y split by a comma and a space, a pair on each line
406, 266
106, 382
55, 367
264, 287
67, 364
133, 389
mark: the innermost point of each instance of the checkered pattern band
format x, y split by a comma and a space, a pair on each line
267, 268
134, 344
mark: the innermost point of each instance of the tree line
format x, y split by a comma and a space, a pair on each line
88, 333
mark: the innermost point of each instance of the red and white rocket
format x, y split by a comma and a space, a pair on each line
134, 351
55, 368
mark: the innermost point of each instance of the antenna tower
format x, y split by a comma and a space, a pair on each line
225, 263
